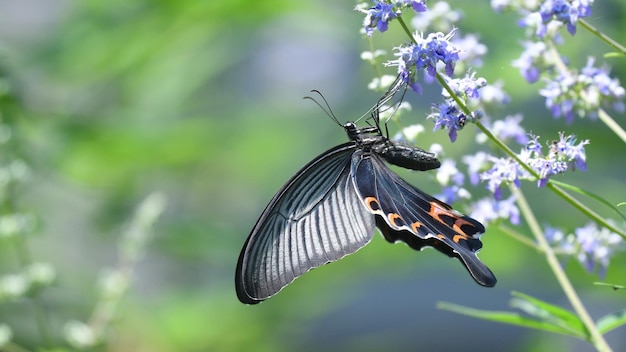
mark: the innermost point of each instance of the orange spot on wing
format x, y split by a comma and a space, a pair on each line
392, 219
457, 238
372, 200
436, 211
416, 225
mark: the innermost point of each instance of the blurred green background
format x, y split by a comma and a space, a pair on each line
202, 100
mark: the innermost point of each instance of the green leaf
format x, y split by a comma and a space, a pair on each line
510, 318
611, 321
613, 54
590, 195
613, 286
550, 314
542, 316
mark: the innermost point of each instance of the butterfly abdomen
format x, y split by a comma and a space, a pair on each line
407, 156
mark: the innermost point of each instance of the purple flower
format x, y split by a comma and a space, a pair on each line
533, 60
449, 117
494, 94
592, 246
448, 172
547, 168
510, 128
417, 5
556, 12
379, 15
451, 194
475, 164
567, 12
533, 145
471, 50
583, 94
600, 83
503, 170
572, 152
564, 155
489, 209
533, 20
425, 54
596, 246
467, 86
559, 94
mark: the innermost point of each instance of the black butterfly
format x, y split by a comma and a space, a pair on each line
330, 207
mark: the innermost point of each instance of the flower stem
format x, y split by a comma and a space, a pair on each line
611, 124
595, 336
605, 38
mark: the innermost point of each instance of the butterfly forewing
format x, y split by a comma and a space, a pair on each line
316, 218
405, 211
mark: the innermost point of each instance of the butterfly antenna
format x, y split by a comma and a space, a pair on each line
327, 109
398, 84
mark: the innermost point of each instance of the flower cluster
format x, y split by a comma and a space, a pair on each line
583, 94
466, 97
552, 13
379, 15
448, 115
564, 154
592, 246
452, 179
487, 210
510, 128
503, 170
425, 54
534, 59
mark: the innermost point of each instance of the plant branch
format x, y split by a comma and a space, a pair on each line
596, 338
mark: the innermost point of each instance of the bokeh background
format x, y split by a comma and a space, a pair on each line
202, 101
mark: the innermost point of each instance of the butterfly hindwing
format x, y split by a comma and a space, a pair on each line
316, 218
407, 214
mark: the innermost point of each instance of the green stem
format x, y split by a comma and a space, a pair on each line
527, 241
612, 125
596, 338
605, 38
585, 210
519, 237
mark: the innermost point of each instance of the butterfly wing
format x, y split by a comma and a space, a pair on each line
404, 213
316, 218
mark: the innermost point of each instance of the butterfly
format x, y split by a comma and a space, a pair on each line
331, 207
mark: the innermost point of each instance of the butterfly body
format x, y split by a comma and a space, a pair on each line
331, 207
